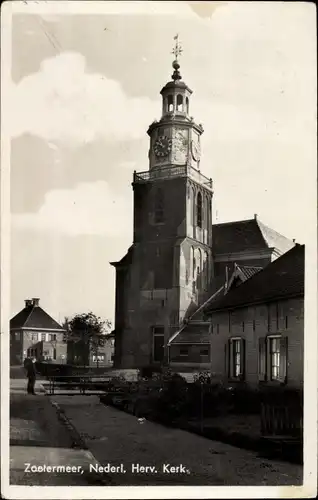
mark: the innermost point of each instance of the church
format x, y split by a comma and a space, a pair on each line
178, 259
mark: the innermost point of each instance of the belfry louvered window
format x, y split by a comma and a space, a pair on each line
199, 210
159, 206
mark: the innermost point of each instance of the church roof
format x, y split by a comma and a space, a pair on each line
281, 279
34, 317
247, 235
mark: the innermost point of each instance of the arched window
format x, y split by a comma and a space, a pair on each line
170, 103
199, 269
187, 105
192, 263
206, 269
199, 210
159, 206
179, 102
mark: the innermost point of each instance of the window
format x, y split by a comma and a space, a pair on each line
179, 102
34, 336
159, 206
170, 103
184, 352
187, 105
273, 351
43, 337
204, 352
52, 337
199, 210
206, 273
99, 357
158, 343
236, 358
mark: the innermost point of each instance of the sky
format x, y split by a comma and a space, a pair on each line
86, 84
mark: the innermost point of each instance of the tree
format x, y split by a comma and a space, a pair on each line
88, 329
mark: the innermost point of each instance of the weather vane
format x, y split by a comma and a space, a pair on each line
177, 50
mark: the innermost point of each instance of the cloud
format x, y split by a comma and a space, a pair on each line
64, 102
88, 209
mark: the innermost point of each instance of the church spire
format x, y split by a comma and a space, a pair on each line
176, 51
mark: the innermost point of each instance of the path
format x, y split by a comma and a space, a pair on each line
115, 438
39, 438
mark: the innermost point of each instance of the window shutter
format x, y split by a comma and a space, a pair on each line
243, 358
283, 360
262, 359
230, 359
227, 358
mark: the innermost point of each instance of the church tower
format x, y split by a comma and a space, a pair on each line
166, 273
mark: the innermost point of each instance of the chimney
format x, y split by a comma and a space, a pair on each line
35, 302
294, 241
255, 216
28, 303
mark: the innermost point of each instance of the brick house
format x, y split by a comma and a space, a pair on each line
34, 333
257, 329
79, 354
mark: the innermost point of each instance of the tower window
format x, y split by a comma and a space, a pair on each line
187, 105
159, 206
179, 102
199, 210
170, 103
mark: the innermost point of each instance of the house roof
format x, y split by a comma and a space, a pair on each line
193, 333
248, 271
126, 260
247, 235
241, 274
34, 317
282, 278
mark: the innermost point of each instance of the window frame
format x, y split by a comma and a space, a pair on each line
265, 360
184, 355
236, 370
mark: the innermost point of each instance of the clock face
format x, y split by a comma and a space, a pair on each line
162, 146
196, 150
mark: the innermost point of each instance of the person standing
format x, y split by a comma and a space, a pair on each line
31, 375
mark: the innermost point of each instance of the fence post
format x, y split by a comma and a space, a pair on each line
201, 426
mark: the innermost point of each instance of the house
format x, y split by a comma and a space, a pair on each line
178, 258
34, 333
257, 329
78, 353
